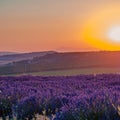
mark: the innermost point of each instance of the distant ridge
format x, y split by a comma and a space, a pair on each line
14, 57
7, 53
64, 61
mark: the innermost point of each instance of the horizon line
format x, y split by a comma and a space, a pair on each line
62, 51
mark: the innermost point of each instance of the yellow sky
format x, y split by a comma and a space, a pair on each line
38, 25
96, 30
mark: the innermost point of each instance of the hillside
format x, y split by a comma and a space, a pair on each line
9, 58
64, 61
7, 53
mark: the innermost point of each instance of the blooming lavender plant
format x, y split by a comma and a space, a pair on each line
83, 97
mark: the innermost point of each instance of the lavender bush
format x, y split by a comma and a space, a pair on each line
83, 97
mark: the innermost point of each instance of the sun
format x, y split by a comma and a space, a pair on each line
102, 29
114, 34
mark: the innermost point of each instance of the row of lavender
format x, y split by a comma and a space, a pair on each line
84, 97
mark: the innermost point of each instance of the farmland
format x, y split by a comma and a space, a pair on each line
73, 72
81, 97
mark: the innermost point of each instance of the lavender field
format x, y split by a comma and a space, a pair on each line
83, 97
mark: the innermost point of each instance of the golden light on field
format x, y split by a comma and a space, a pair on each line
102, 30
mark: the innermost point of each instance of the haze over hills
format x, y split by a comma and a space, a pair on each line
7, 53
61, 61
9, 57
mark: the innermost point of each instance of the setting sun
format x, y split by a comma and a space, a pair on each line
101, 30
114, 34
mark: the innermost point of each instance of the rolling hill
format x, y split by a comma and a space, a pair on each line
7, 53
8, 57
64, 61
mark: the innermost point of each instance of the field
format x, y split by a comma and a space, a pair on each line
82, 97
84, 71
73, 72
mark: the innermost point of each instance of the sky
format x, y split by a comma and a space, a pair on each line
64, 25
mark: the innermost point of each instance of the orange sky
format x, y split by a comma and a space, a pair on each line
65, 25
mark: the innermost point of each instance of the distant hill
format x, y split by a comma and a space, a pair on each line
64, 61
7, 53
6, 58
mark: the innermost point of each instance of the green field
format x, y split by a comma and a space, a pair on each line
72, 72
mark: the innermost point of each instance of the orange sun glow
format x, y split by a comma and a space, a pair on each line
102, 30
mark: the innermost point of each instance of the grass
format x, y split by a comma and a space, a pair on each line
72, 72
